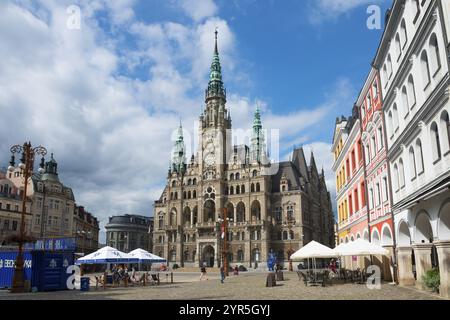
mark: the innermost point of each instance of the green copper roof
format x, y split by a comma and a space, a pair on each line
179, 154
257, 119
258, 146
215, 86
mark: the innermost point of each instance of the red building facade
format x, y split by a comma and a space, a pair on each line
377, 178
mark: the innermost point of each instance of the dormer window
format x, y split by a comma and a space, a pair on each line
284, 184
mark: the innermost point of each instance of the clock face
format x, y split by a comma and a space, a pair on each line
210, 157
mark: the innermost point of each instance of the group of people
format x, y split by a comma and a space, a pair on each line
222, 272
333, 266
122, 273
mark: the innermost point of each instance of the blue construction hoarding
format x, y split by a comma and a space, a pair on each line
7, 260
50, 270
46, 263
53, 244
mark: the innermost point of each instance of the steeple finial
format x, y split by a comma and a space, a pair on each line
216, 50
215, 86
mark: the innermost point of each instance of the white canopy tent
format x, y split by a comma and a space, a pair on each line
359, 247
146, 257
107, 255
313, 250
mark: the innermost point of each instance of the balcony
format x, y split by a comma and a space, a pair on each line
209, 224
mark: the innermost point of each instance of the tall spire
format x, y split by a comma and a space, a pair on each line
258, 145
215, 86
179, 152
216, 50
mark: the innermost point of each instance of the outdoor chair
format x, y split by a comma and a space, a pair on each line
100, 280
154, 279
357, 276
138, 280
303, 277
348, 276
318, 278
326, 278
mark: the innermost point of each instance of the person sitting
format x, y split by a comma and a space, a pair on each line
333, 266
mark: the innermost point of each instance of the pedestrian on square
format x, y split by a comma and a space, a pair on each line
236, 271
222, 274
203, 272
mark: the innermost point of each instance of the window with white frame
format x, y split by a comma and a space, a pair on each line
401, 169
412, 163
380, 137
419, 155
435, 142
378, 202
425, 66
390, 123
375, 89
445, 129
385, 189
395, 118
398, 46
405, 101
396, 183
411, 92
389, 66
403, 34
434, 53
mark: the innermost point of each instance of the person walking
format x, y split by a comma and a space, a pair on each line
222, 274
203, 272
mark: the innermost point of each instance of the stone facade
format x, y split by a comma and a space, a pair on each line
53, 211
86, 230
413, 59
129, 232
11, 210
272, 207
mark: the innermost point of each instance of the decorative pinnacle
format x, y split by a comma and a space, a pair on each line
216, 50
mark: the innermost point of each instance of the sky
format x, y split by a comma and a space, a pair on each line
105, 92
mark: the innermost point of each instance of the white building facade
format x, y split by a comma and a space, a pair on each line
413, 59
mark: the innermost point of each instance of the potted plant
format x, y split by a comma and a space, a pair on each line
432, 279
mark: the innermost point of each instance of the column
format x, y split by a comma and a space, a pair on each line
443, 249
422, 252
198, 254
404, 266
247, 249
387, 267
192, 219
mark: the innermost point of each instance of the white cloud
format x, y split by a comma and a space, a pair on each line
199, 9
109, 131
324, 10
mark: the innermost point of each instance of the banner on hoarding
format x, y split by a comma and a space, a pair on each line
52, 244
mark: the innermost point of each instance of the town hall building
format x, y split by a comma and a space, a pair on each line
272, 208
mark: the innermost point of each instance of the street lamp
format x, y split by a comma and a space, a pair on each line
289, 224
26, 168
224, 222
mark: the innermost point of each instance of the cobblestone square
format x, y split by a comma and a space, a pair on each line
248, 286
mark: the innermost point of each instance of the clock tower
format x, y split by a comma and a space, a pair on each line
215, 125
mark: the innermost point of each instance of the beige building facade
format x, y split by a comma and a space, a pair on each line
272, 207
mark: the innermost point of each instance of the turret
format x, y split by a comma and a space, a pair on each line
179, 153
258, 145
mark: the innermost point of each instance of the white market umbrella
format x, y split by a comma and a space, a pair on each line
146, 257
360, 247
313, 250
107, 255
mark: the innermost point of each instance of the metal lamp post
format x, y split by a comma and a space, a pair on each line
26, 167
224, 222
289, 224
